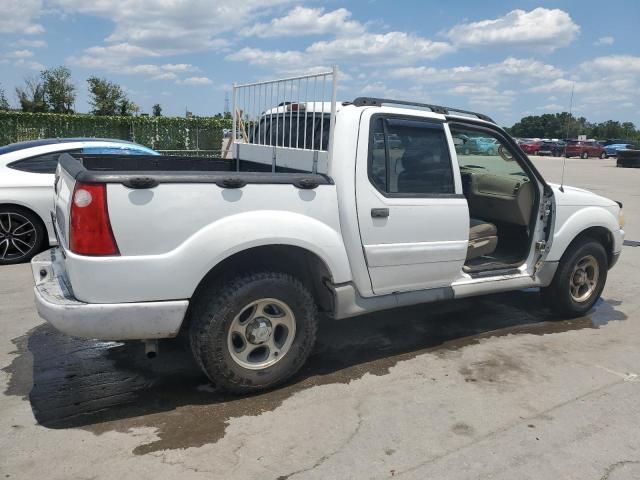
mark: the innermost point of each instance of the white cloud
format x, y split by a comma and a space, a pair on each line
18, 16
604, 41
23, 42
20, 54
30, 64
552, 107
196, 81
119, 58
380, 48
615, 63
541, 28
366, 49
599, 83
518, 69
172, 27
491, 87
303, 21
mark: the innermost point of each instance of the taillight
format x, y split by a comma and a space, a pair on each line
90, 232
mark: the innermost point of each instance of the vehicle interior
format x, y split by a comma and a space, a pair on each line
501, 198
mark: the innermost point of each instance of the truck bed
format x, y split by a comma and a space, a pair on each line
175, 218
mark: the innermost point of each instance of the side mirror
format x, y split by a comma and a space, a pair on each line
505, 154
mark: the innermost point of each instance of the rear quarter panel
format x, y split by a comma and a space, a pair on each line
170, 236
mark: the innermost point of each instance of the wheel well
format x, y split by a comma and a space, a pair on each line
298, 262
601, 235
45, 243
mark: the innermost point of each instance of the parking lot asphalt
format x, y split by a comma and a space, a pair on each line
490, 387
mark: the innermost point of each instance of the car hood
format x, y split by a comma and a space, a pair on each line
578, 197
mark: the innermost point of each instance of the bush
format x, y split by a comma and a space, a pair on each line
159, 133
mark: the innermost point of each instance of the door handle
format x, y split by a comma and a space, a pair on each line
379, 212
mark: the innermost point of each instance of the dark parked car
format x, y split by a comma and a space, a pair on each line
552, 148
585, 149
628, 158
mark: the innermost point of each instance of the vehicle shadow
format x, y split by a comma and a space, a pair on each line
103, 386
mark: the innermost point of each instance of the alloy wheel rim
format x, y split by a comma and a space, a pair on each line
261, 334
584, 279
17, 236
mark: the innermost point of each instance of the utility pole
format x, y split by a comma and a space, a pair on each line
226, 103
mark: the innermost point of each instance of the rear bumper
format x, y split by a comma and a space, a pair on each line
56, 303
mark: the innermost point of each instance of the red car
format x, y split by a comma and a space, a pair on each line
530, 148
585, 149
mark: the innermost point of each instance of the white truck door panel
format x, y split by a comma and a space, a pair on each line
413, 218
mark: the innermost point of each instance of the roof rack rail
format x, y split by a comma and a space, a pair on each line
378, 102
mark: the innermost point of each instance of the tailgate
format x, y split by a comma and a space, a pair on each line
63, 191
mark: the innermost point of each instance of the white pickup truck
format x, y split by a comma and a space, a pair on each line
332, 208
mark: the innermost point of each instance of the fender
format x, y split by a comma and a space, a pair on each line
573, 220
269, 227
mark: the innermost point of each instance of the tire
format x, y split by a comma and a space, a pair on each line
22, 235
227, 330
584, 155
561, 295
603, 155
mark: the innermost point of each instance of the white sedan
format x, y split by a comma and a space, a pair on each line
27, 171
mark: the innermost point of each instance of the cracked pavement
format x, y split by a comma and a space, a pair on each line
486, 388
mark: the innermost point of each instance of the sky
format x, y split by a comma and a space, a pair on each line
507, 59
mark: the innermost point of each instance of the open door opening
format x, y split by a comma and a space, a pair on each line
502, 198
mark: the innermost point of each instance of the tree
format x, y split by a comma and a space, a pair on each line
59, 91
157, 110
31, 96
127, 108
4, 103
564, 125
108, 98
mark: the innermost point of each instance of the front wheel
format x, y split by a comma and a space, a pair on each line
253, 332
579, 280
584, 155
603, 155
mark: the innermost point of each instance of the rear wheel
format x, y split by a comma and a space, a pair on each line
22, 235
603, 155
254, 332
579, 280
584, 155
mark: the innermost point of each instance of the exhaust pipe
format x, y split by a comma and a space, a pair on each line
151, 348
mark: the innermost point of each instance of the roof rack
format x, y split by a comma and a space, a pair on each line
378, 102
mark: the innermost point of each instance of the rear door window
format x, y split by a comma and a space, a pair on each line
409, 157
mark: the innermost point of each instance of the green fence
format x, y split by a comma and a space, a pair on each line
160, 133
